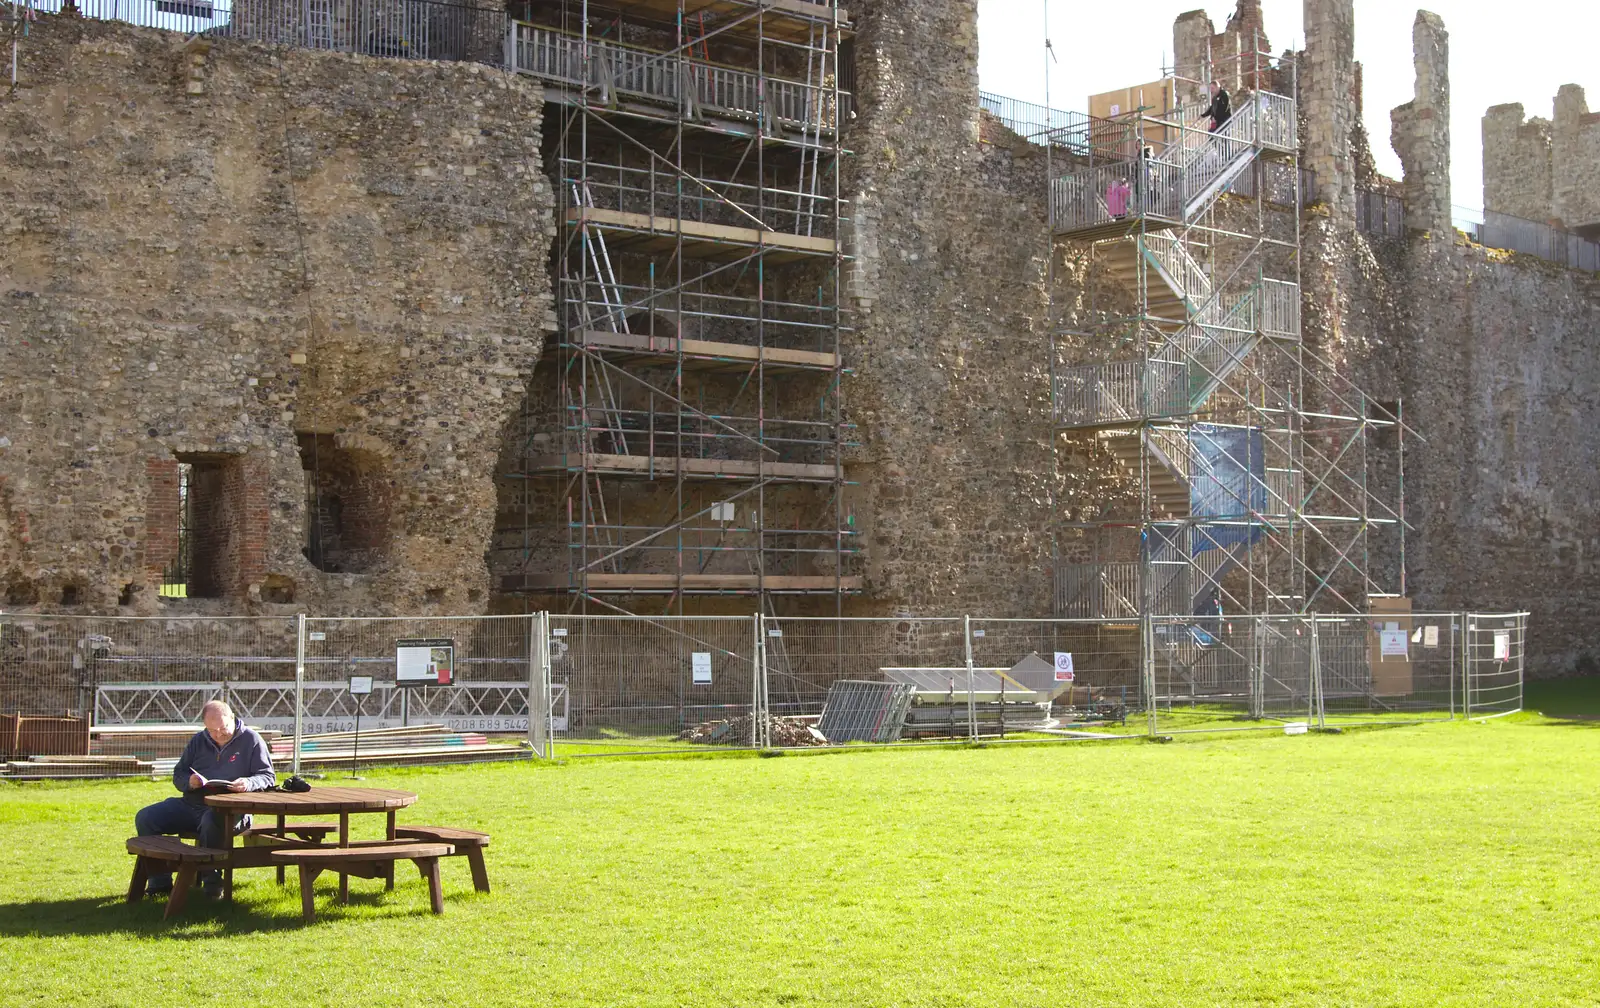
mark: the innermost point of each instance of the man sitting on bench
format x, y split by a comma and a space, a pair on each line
227, 756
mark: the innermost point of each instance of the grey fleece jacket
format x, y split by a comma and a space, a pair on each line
246, 755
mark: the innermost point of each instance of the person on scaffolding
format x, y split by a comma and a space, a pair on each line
1220, 109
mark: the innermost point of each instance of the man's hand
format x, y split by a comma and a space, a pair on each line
194, 781
238, 784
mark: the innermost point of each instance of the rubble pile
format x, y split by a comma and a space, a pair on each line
785, 731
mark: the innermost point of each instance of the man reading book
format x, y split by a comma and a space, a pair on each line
227, 756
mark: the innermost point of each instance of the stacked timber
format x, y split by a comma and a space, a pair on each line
37, 768
408, 746
149, 742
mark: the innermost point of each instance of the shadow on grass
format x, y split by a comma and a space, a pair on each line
201, 918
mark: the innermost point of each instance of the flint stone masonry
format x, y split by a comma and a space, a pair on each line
951, 389
1546, 170
1421, 128
304, 243
1516, 164
1327, 79
1231, 51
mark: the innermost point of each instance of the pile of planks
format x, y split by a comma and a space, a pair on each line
37, 768
400, 746
149, 742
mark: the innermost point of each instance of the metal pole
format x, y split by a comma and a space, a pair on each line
1147, 658
972, 706
758, 665
539, 699
1316, 673
537, 734
299, 685
1466, 664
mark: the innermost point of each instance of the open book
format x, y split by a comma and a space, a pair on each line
208, 784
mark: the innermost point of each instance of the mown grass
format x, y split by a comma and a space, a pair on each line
1438, 864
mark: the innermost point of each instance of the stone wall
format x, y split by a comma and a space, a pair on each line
212, 252
1516, 164
951, 389
1501, 376
1545, 169
1421, 128
1575, 162
1327, 79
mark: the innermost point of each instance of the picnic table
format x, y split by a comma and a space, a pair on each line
341, 801
301, 844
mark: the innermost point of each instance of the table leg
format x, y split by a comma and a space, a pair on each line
344, 841
430, 871
282, 822
180, 890
141, 873
388, 876
227, 845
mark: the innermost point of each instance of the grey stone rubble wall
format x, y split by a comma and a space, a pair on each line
1421, 128
951, 391
1546, 170
210, 249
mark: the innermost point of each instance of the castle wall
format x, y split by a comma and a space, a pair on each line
243, 260
1546, 170
951, 389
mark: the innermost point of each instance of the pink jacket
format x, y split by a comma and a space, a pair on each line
1117, 198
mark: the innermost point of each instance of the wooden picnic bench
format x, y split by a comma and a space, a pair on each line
364, 860
168, 853
467, 843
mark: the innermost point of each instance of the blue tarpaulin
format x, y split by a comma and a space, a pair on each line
1227, 480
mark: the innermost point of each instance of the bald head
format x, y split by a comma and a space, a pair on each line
219, 720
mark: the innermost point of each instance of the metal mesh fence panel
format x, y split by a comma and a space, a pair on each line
653, 682
1495, 646
1218, 673
806, 655
464, 697
126, 672
1095, 683
1389, 667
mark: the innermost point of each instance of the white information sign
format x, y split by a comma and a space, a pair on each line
1502, 645
700, 662
1430, 635
1393, 644
1064, 671
360, 685
422, 661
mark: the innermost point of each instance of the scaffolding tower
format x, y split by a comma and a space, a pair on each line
1240, 471
683, 434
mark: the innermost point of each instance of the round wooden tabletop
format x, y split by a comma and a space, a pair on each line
317, 801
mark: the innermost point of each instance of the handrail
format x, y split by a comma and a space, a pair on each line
689, 84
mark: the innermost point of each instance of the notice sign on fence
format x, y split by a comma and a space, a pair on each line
700, 662
424, 661
1502, 646
1064, 666
1394, 644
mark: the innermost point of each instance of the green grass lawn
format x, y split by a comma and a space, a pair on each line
1437, 864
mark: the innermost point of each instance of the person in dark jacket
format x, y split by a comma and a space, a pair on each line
1219, 109
226, 757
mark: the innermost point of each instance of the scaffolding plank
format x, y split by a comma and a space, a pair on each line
701, 240
695, 582
786, 19
658, 466
705, 354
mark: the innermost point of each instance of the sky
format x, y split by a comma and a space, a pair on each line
1494, 58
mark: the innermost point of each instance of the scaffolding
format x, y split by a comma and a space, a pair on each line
683, 434
1240, 471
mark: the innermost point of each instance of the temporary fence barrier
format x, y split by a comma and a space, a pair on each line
441, 689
